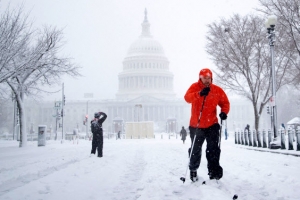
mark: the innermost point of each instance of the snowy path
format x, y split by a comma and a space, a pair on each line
140, 169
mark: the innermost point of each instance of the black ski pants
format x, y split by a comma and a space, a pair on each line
211, 135
97, 143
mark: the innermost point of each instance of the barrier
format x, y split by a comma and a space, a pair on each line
250, 138
246, 137
264, 139
269, 138
282, 133
239, 139
235, 138
290, 139
259, 139
242, 138
298, 138
254, 138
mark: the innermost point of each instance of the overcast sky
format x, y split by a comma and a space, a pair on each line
98, 34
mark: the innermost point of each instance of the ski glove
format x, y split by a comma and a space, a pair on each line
223, 115
204, 91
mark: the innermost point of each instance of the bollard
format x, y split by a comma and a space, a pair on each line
242, 138
131, 137
269, 138
282, 133
161, 136
246, 137
254, 138
290, 138
169, 136
259, 139
250, 138
235, 137
298, 138
264, 138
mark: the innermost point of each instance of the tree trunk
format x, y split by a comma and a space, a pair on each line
256, 118
20, 105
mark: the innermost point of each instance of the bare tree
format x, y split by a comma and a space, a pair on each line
288, 96
14, 35
288, 13
239, 48
44, 67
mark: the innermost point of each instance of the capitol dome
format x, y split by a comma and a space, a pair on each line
145, 69
145, 46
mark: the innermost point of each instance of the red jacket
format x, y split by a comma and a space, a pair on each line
216, 97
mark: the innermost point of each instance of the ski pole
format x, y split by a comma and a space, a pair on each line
198, 123
220, 134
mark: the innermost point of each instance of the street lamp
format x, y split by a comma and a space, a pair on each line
57, 106
270, 25
86, 118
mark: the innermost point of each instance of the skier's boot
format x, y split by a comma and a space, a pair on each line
193, 175
216, 174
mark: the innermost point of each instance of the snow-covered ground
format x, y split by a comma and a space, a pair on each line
141, 169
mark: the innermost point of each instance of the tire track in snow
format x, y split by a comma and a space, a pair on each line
12, 184
130, 183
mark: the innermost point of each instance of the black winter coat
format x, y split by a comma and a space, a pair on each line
98, 130
183, 134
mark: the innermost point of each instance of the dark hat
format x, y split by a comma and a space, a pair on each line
97, 115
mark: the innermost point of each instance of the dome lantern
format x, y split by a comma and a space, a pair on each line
145, 26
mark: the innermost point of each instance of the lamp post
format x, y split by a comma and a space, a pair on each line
62, 114
270, 25
57, 106
87, 95
86, 118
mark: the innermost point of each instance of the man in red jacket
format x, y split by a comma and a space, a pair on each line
205, 97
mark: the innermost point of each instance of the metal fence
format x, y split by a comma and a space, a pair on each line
289, 139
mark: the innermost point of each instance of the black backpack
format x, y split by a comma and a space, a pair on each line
95, 127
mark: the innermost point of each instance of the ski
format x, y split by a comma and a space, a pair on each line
195, 179
219, 185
